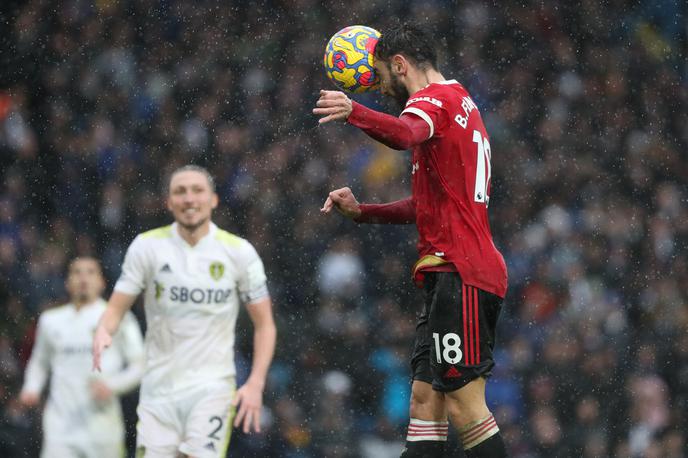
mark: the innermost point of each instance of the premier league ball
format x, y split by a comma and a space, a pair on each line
349, 59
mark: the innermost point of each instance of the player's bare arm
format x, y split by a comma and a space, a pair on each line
29, 399
344, 201
118, 305
249, 398
332, 106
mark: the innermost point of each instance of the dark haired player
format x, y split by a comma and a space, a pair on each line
463, 274
195, 276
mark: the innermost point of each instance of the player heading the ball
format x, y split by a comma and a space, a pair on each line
463, 275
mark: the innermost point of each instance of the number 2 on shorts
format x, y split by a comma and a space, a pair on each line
213, 433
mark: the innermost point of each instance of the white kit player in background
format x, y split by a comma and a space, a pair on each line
82, 416
194, 277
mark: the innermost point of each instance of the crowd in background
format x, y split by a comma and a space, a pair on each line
586, 105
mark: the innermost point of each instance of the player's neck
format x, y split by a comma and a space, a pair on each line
192, 235
422, 78
81, 303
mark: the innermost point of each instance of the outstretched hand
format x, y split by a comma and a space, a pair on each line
344, 201
249, 399
333, 106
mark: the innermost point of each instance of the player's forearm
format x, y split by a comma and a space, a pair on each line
127, 379
38, 367
398, 212
397, 133
35, 377
118, 305
264, 338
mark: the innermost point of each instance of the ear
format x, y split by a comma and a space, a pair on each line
168, 203
215, 200
399, 64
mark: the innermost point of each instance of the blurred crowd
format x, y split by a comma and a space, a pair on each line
586, 104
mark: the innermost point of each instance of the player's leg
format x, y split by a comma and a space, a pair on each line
51, 449
55, 443
209, 422
427, 430
158, 431
107, 449
462, 322
477, 428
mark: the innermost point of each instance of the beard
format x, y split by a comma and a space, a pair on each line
194, 226
399, 91
83, 296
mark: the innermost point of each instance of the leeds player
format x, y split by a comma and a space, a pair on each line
463, 273
194, 276
82, 417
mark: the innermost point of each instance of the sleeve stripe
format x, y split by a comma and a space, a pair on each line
423, 115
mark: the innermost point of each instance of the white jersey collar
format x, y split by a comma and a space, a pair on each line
211, 234
85, 307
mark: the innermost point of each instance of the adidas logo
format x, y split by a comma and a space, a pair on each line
452, 373
210, 446
166, 268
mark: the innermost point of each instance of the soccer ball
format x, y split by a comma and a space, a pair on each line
349, 59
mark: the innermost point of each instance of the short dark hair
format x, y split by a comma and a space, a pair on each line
191, 168
85, 258
409, 40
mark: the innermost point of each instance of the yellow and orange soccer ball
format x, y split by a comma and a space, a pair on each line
349, 59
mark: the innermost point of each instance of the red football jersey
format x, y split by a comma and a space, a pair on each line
451, 186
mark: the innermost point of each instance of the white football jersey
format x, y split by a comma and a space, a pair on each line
62, 350
192, 296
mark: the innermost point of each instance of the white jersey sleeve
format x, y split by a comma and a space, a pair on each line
38, 368
129, 343
136, 269
252, 282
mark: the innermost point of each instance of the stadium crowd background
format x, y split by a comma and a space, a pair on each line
587, 108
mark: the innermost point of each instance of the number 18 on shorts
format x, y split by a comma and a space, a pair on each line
455, 333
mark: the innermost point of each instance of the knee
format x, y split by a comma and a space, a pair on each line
427, 404
418, 405
463, 411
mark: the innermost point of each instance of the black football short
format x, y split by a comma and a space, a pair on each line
455, 333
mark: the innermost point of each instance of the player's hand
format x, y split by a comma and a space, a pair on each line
101, 340
29, 399
344, 201
332, 106
100, 391
249, 398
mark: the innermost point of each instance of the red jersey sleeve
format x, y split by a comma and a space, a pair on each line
430, 105
398, 133
398, 212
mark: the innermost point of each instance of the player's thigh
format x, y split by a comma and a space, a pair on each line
426, 403
461, 325
467, 404
420, 358
104, 450
208, 425
158, 430
52, 449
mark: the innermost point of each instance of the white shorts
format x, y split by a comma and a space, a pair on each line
196, 423
91, 449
